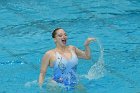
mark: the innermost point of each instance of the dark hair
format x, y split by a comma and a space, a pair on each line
54, 32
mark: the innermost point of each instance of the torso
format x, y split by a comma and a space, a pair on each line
66, 55
64, 66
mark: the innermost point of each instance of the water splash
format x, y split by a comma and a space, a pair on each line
97, 70
31, 83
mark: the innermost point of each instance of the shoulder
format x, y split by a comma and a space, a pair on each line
50, 53
71, 47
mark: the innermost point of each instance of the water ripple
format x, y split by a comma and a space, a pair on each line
12, 62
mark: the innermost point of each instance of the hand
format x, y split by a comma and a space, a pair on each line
40, 85
89, 40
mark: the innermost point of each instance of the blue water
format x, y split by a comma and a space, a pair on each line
25, 35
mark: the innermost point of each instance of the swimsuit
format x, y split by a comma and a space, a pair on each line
65, 69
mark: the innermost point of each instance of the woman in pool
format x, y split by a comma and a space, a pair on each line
63, 59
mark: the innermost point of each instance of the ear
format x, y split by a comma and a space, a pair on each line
54, 40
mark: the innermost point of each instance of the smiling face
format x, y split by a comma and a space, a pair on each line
60, 37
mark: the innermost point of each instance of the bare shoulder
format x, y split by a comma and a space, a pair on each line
50, 53
71, 47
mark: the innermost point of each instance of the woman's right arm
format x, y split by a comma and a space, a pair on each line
44, 66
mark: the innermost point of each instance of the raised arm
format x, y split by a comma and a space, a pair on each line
44, 66
86, 53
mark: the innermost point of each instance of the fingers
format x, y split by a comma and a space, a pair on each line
91, 39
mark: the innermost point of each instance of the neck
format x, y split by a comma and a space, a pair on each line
61, 48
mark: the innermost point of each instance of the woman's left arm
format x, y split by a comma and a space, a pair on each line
86, 53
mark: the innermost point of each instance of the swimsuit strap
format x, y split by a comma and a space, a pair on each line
73, 54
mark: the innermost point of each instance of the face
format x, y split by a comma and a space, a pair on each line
60, 37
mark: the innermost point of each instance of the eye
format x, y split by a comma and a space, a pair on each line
65, 34
60, 35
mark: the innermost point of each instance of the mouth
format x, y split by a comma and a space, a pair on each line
64, 41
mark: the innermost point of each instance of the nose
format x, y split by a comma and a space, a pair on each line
64, 36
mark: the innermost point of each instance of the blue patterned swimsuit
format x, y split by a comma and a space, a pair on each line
65, 69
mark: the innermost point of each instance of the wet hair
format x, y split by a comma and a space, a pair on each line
54, 32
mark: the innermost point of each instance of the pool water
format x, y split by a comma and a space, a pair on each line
25, 35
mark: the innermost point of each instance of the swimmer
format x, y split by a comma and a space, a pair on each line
63, 59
